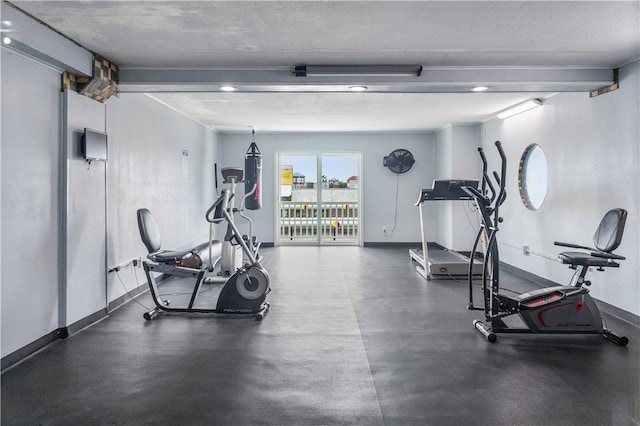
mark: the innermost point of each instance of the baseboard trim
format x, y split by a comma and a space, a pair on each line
23, 353
389, 244
32, 348
37, 345
132, 294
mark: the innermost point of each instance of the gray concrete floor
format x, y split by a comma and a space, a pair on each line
354, 336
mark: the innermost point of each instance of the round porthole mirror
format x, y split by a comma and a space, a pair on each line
533, 177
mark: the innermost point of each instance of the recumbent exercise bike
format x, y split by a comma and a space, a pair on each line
553, 310
244, 286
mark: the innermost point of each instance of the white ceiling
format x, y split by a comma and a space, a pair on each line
318, 112
187, 35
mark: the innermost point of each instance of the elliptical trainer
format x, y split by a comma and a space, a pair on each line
553, 310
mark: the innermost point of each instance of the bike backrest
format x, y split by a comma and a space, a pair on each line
608, 236
149, 230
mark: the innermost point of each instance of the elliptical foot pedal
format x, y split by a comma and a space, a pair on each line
613, 337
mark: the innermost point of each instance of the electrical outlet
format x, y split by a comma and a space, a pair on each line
384, 230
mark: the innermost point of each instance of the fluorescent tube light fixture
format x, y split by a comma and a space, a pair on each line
521, 107
361, 70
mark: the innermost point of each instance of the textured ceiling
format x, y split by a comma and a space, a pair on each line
247, 34
322, 112
187, 34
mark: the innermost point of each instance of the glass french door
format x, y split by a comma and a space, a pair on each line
319, 199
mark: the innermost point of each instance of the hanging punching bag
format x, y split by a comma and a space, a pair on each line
253, 175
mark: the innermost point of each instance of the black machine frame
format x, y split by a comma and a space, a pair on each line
243, 292
571, 308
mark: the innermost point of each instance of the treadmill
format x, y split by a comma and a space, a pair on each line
443, 263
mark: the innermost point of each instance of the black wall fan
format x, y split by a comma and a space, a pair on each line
399, 161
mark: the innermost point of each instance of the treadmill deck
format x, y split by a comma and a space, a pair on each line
445, 263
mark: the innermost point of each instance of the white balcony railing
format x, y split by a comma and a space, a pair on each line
309, 222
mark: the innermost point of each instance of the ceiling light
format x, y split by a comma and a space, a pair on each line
480, 89
358, 88
6, 40
521, 107
228, 88
362, 70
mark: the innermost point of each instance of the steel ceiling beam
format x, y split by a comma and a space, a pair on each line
431, 80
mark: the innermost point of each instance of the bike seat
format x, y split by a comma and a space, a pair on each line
169, 256
606, 239
150, 234
581, 258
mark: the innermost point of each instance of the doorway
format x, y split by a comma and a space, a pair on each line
319, 199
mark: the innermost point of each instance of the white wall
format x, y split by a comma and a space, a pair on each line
456, 158
83, 286
466, 165
441, 210
592, 147
378, 183
44, 288
147, 170
30, 173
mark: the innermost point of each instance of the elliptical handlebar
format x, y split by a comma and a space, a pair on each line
247, 195
485, 178
241, 211
483, 186
497, 196
488, 209
502, 195
496, 177
477, 195
491, 188
216, 207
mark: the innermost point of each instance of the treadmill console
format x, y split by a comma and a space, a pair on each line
447, 189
